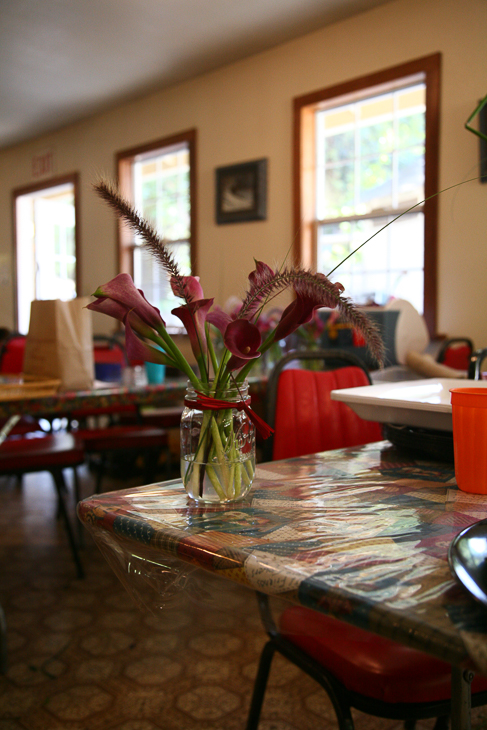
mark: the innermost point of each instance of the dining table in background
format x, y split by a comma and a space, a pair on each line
360, 533
108, 396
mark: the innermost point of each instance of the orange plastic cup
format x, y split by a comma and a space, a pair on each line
469, 412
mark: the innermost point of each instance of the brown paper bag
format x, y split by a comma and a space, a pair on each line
60, 342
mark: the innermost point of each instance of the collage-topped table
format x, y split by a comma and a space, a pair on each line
108, 395
105, 396
359, 533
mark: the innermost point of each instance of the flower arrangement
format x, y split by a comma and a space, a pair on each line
214, 458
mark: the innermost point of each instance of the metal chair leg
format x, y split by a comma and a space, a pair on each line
77, 496
260, 686
60, 484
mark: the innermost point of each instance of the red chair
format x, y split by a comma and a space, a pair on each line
12, 363
456, 352
300, 409
52, 453
357, 669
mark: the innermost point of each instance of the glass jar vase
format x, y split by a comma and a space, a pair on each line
217, 445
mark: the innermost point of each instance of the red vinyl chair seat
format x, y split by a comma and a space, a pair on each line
169, 417
369, 664
115, 438
40, 452
309, 421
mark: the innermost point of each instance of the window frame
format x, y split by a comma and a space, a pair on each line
124, 161
46, 184
304, 165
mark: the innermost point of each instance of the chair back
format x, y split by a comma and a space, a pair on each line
12, 354
456, 353
300, 409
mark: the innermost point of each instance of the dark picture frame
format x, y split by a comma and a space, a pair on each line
483, 143
241, 192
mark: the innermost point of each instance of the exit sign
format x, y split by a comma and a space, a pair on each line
43, 163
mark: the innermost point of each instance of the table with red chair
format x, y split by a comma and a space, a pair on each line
354, 541
29, 450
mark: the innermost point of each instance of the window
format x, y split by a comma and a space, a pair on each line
366, 153
45, 245
159, 181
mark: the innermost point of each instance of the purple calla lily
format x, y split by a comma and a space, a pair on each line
122, 289
242, 339
114, 309
193, 316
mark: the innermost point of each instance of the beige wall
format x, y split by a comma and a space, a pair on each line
244, 111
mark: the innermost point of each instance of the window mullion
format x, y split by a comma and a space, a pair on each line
395, 158
358, 157
386, 213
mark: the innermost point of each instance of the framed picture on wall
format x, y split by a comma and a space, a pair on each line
241, 192
483, 143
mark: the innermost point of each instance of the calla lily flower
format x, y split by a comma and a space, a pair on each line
139, 350
242, 339
123, 290
193, 316
192, 288
302, 310
114, 309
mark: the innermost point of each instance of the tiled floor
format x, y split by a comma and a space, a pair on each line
82, 656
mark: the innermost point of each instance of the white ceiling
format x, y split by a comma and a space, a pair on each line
61, 60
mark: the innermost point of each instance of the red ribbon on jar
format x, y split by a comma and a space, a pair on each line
205, 403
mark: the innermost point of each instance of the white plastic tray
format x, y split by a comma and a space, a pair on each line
420, 403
